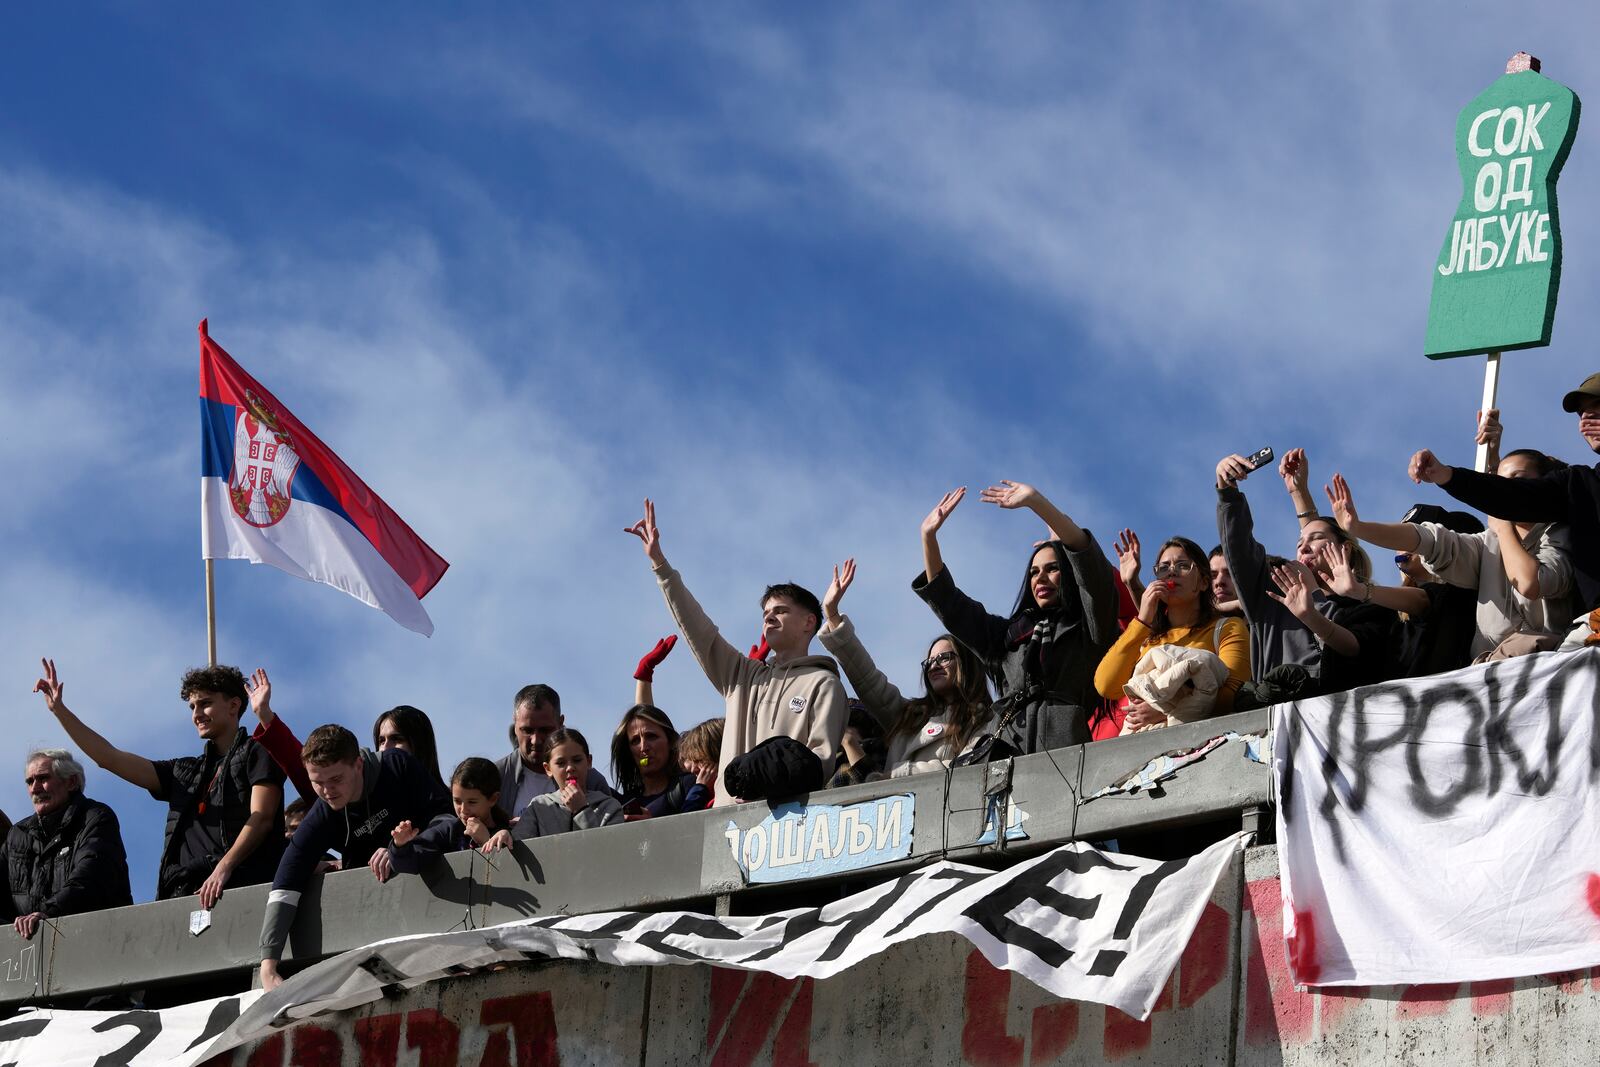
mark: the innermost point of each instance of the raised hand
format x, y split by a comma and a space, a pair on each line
705, 774
52, 687
1231, 470
1343, 504
1489, 429
843, 575
941, 511
1334, 559
499, 840
403, 833
646, 531
260, 688
1297, 584
1126, 547
1294, 470
760, 652
646, 671
1425, 467
1009, 494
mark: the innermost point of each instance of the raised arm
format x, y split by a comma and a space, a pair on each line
883, 700
274, 735
644, 675
723, 664
1297, 584
1295, 470
1489, 431
1346, 584
1518, 499
932, 560
1126, 546
1010, 495
1395, 536
125, 765
1236, 530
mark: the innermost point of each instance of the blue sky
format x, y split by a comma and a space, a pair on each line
793, 275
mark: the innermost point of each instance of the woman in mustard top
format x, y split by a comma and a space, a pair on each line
1177, 609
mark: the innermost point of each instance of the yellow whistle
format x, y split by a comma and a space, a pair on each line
644, 761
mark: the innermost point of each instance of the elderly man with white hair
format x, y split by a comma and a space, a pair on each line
66, 857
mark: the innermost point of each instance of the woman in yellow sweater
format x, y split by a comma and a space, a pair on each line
1177, 609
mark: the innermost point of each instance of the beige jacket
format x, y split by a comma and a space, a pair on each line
932, 747
1473, 561
802, 699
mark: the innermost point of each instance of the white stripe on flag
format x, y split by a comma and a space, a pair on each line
313, 543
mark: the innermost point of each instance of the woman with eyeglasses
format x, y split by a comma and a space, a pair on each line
1177, 609
922, 733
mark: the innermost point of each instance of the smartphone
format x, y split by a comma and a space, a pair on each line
1260, 459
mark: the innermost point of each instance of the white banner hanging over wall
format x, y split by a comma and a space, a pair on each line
1443, 829
1081, 923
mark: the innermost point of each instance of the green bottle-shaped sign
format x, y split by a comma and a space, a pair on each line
1494, 285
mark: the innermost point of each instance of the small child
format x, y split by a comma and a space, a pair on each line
479, 823
569, 808
700, 752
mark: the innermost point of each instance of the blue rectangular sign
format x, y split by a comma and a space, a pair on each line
811, 840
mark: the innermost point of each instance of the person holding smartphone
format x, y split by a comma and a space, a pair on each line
1295, 617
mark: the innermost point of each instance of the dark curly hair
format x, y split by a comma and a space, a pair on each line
219, 678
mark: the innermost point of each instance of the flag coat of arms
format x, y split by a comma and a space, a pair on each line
271, 492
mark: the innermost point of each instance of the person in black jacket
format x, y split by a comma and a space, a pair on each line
66, 857
361, 798
1043, 654
224, 806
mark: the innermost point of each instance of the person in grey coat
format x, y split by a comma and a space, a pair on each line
1043, 654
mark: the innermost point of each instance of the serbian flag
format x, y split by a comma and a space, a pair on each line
270, 492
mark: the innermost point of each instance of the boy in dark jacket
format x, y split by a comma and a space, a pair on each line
361, 798
224, 806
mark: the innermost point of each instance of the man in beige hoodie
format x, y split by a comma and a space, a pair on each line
796, 695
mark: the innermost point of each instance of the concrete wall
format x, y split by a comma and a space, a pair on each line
936, 1001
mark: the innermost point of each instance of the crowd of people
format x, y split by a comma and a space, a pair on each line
1087, 650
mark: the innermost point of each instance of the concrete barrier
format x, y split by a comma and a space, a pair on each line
937, 1001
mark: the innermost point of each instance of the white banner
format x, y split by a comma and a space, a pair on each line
1443, 829
1081, 923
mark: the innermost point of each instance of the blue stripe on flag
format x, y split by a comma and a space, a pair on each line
216, 439
308, 487
218, 423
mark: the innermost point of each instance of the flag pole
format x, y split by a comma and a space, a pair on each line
1491, 388
211, 618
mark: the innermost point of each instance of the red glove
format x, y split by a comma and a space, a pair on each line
646, 671
760, 652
